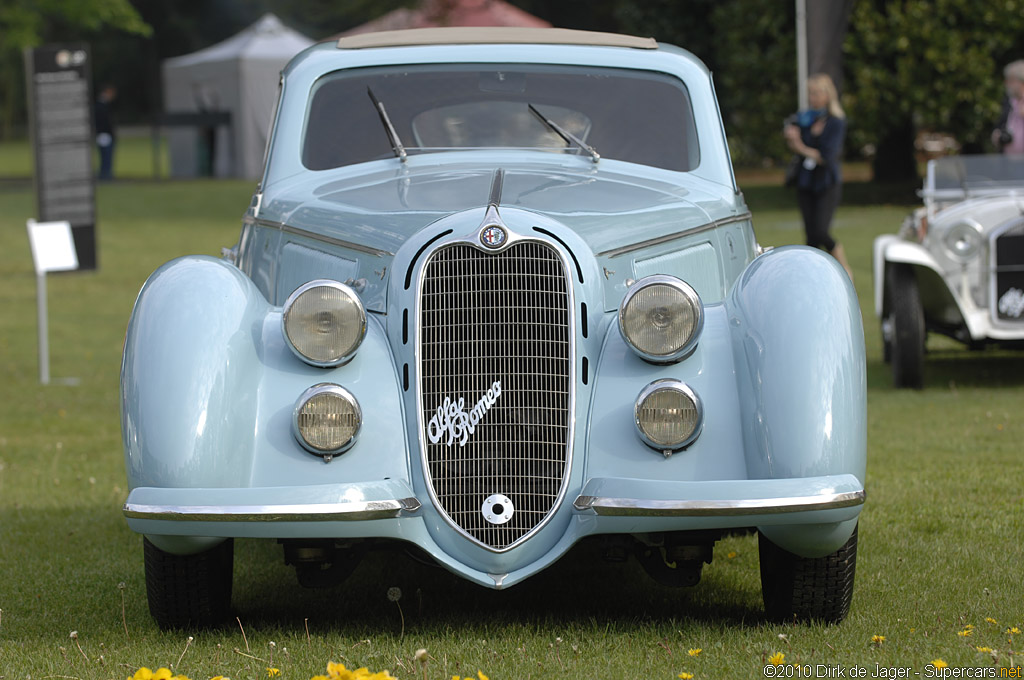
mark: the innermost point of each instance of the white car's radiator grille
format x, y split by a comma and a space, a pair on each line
1009, 273
495, 370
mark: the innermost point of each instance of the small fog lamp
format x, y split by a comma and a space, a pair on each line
327, 419
669, 415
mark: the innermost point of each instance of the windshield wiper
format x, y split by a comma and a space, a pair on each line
396, 143
569, 137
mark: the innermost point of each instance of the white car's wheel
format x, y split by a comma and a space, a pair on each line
905, 322
807, 589
189, 591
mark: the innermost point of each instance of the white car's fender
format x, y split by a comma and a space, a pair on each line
892, 248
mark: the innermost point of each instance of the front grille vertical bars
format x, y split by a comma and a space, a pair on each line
505, 317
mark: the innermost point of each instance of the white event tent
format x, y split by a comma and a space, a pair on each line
238, 76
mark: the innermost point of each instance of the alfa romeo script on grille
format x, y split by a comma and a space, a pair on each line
452, 418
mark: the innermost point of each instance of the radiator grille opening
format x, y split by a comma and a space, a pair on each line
495, 344
1009, 274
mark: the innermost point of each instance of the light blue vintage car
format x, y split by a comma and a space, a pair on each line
497, 293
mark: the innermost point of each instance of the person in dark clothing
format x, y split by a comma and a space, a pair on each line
105, 133
817, 137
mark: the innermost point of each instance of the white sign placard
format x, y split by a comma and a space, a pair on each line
53, 247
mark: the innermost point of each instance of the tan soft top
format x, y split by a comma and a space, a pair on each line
480, 35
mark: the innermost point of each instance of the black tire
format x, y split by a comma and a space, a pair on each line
906, 321
807, 589
189, 591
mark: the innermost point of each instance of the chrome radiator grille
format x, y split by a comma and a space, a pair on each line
495, 345
1009, 276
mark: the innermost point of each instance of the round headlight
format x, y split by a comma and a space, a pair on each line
326, 419
669, 415
324, 322
661, 318
963, 240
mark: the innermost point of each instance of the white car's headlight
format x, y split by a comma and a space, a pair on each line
963, 240
324, 322
661, 318
326, 419
669, 415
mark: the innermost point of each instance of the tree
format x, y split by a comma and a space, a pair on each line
30, 23
917, 65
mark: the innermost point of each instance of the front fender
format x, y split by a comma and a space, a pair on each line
798, 344
190, 374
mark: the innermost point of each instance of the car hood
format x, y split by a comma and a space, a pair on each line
607, 207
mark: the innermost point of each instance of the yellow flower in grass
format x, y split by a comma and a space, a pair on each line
966, 632
989, 619
273, 672
695, 652
1013, 631
939, 663
142, 674
685, 676
777, 659
877, 639
162, 674
984, 650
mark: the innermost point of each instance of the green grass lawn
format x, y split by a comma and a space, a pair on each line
940, 535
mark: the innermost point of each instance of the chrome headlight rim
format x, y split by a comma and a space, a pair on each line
343, 358
963, 227
677, 386
305, 397
687, 348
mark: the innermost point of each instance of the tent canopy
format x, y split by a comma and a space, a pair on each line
238, 76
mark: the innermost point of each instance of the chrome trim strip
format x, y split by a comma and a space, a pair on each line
641, 507
311, 512
615, 252
272, 224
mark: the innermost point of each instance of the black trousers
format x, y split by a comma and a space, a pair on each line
817, 209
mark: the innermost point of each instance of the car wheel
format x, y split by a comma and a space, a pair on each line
907, 331
806, 589
189, 591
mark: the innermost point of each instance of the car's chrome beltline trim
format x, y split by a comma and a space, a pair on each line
288, 229
615, 252
697, 508
311, 512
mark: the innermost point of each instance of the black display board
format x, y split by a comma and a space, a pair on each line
61, 120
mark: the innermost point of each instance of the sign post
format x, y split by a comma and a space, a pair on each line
53, 250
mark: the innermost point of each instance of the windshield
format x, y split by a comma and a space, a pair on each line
975, 173
636, 116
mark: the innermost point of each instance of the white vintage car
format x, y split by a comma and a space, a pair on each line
957, 265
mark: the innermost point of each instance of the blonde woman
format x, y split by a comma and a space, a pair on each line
817, 137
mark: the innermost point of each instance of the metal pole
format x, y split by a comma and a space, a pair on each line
44, 342
801, 54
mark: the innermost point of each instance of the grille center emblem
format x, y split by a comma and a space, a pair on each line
1012, 303
498, 508
452, 419
493, 236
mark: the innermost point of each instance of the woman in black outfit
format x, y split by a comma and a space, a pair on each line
818, 139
